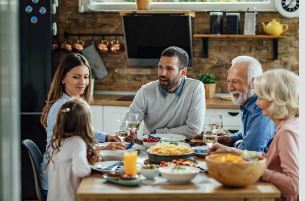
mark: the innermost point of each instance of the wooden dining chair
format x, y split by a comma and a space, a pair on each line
36, 159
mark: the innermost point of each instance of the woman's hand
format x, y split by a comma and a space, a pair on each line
114, 146
219, 148
112, 138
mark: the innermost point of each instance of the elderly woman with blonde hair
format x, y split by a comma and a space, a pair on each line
278, 96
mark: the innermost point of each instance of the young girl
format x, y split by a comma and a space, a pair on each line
73, 150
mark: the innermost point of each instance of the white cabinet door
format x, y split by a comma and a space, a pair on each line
111, 115
231, 118
97, 117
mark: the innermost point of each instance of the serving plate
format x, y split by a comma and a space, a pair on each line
108, 166
157, 158
119, 179
168, 137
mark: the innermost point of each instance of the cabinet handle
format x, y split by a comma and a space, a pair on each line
233, 113
232, 130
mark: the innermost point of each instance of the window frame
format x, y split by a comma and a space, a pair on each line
91, 6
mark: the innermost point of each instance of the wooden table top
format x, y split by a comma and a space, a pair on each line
202, 187
116, 100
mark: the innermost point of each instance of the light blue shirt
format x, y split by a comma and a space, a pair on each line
178, 91
257, 130
51, 121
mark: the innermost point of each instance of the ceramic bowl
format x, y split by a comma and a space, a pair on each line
235, 174
149, 173
149, 144
179, 174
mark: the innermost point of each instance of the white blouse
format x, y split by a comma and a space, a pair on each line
70, 165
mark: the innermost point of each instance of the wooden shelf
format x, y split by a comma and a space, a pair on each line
177, 12
205, 40
237, 36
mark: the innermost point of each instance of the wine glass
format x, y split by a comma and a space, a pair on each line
133, 121
210, 136
216, 122
122, 129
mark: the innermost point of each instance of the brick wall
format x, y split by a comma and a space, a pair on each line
221, 51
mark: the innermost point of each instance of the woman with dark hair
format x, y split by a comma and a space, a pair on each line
71, 80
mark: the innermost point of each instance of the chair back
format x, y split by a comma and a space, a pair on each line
36, 159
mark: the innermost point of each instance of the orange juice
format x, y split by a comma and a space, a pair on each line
130, 163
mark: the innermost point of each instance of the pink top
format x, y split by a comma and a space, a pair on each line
282, 159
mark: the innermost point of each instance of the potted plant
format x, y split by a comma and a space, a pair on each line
209, 81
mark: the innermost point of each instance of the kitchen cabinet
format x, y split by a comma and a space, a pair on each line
110, 116
97, 117
105, 118
231, 118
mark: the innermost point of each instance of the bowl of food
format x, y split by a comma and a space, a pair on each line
118, 155
150, 141
168, 152
179, 174
149, 171
235, 170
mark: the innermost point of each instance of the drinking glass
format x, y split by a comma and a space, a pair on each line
210, 136
122, 130
133, 121
130, 163
216, 122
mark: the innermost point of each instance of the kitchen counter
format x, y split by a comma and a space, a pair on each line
125, 100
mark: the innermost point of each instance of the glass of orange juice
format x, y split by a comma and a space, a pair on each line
130, 163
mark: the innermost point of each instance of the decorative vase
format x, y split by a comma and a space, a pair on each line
210, 90
143, 4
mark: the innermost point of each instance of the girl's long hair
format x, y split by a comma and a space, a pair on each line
56, 89
74, 119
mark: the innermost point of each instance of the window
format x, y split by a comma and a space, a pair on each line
195, 5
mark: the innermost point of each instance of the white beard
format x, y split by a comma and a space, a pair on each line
243, 97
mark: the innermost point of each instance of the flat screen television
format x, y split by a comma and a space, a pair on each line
147, 35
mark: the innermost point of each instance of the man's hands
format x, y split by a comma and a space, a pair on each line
226, 140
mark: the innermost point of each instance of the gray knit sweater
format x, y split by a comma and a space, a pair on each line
178, 114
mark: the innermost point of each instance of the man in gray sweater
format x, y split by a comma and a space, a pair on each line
174, 103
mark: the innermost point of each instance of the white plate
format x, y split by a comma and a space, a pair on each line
101, 166
117, 155
168, 137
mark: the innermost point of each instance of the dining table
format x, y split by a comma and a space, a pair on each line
202, 187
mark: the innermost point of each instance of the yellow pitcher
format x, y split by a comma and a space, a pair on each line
274, 28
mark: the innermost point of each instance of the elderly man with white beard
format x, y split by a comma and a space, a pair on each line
257, 130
